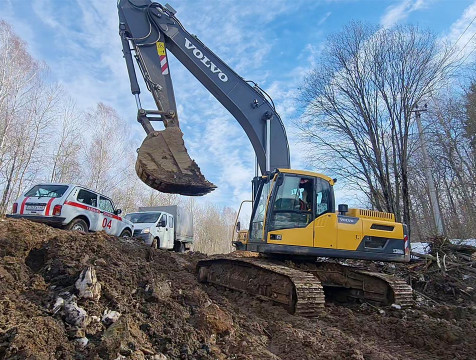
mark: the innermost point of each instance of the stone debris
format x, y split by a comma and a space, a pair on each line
88, 285
110, 317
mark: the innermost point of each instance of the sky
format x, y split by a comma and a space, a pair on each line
274, 43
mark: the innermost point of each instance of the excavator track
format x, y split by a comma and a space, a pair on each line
354, 283
300, 286
299, 292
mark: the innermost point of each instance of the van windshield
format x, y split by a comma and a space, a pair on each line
54, 191
139, 218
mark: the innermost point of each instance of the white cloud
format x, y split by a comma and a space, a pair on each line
461, 33
399, 12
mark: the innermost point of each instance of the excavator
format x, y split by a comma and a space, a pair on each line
294, 228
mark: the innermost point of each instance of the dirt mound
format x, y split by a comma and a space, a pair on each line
66, 295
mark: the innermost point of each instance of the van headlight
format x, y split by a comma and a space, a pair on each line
145, 231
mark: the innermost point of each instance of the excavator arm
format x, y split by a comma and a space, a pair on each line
148, 32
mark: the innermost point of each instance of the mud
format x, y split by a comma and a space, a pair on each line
166, 314
164, 164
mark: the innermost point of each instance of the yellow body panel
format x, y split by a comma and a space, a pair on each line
297, 236
371, 214
349, 236
325, 231
397, 232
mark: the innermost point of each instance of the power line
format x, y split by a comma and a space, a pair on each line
471, 38
461, 35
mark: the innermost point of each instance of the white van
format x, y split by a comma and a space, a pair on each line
73, 207
164, 227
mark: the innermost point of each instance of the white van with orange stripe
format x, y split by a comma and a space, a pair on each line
73, 207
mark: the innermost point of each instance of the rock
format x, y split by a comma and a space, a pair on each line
75, 315
110, 317
159, 356
82, 342
381, 311
158, 290
88, 285
58, 305
396, 306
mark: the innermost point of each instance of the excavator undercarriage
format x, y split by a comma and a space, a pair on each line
302, 287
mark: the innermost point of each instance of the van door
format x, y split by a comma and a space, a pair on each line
89, 200
109, 221
162, 232
171, 230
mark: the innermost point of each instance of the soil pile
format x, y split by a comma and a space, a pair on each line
66, 295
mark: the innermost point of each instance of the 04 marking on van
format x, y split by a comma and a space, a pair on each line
106, 223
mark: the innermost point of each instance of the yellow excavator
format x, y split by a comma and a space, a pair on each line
294, 227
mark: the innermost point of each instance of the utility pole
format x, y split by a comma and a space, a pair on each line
429, 177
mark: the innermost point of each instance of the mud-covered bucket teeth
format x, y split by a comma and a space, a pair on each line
163, 163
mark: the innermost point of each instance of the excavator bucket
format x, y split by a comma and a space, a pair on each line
163, 163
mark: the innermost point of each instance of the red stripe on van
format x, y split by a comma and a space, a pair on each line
22, 208
82, 206
47, 211
113, 216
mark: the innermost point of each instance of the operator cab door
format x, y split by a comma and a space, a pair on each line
325, 226
291, 211
109, 221
90, 202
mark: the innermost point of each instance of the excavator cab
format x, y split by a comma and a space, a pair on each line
294, 213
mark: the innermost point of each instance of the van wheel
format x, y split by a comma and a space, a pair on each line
126, 233
179, 247
155, 243
78, 225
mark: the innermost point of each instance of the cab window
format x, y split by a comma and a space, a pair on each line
164, 219
87, 197
257, 222
323, 197
171, 222
105, 204
293, 205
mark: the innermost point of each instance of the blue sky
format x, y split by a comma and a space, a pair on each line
275, 43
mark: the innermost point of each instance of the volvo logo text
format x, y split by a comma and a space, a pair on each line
206, 61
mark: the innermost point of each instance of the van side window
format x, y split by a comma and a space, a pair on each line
164, 218
171, 222
87, 197
106, 204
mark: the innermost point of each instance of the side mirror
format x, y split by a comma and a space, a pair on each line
161, 223
238, 226
117, 211
343, 208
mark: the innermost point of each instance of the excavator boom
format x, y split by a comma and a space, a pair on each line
149, 31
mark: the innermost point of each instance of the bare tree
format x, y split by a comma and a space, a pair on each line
103, 165
67, 143
358, 100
